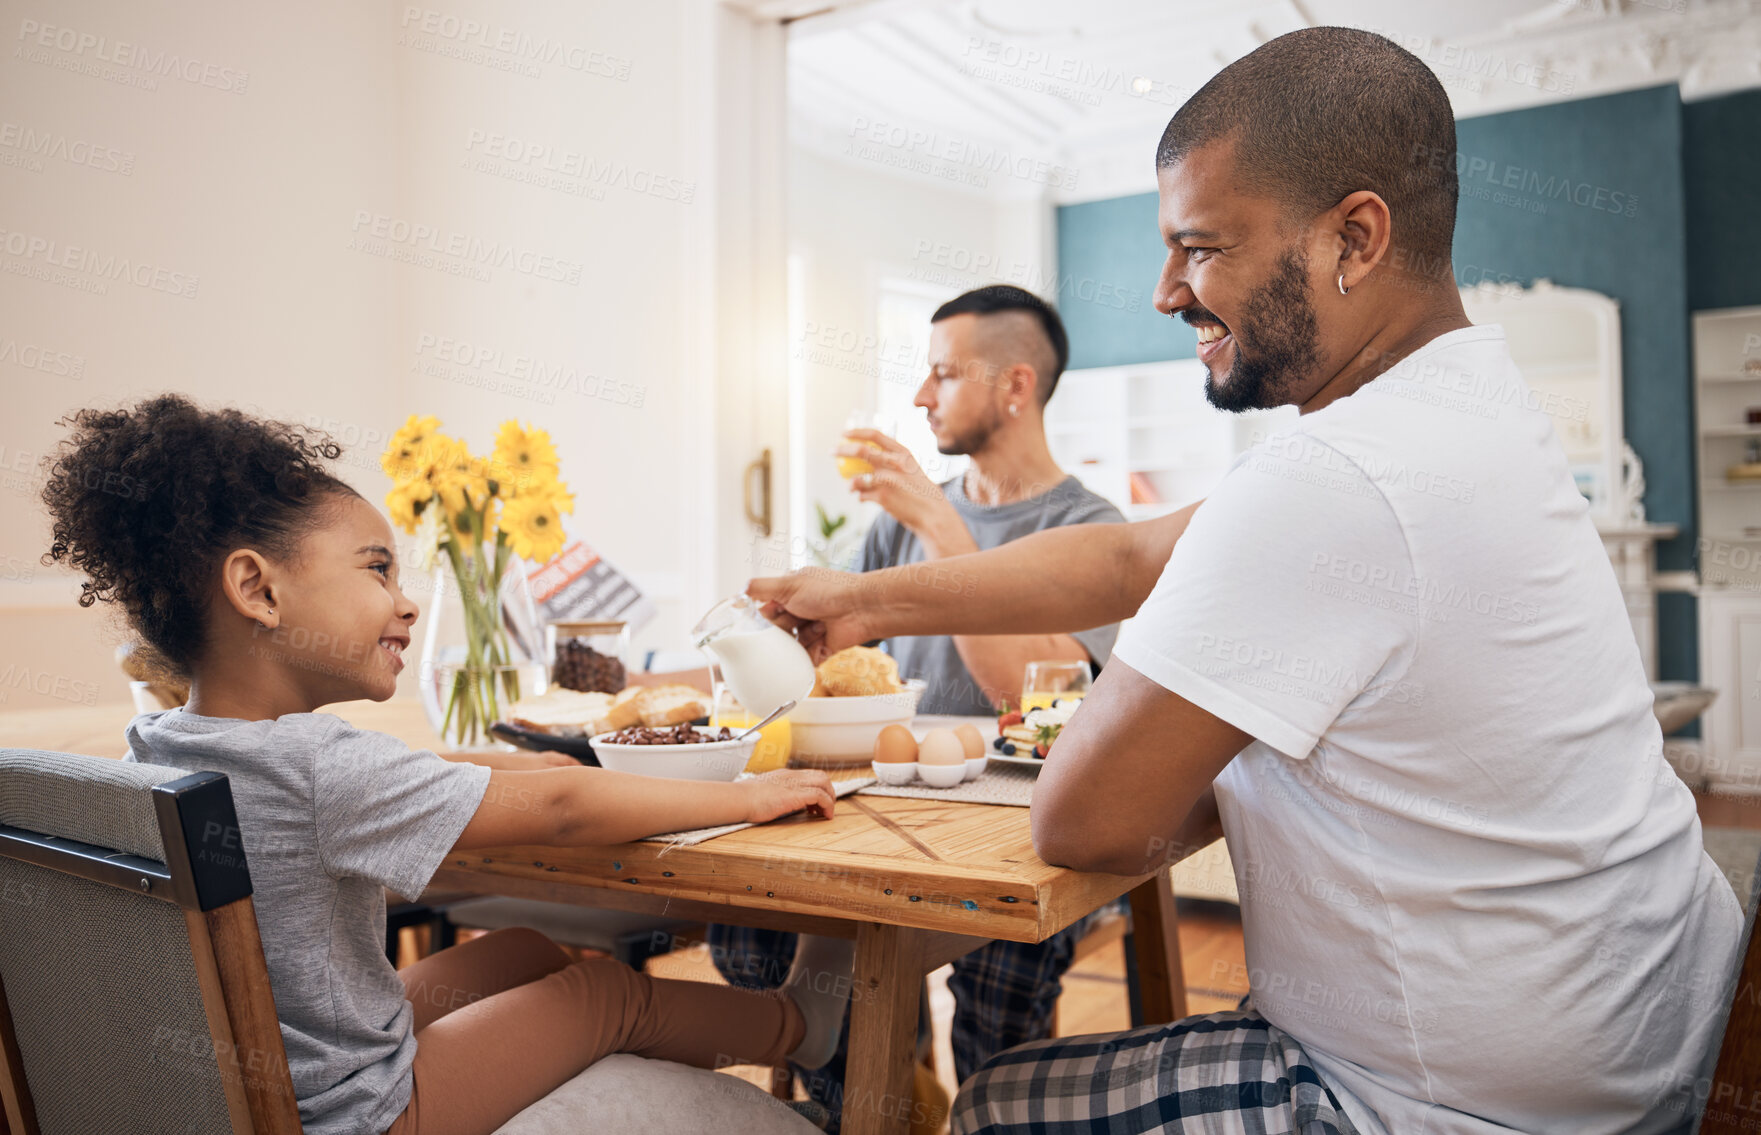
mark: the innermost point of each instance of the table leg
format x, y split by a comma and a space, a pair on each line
883, 1030
1156, 941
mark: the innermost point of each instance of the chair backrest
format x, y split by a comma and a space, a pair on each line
1730, 1088
133, 991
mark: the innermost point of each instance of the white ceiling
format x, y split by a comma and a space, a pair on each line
1019, 98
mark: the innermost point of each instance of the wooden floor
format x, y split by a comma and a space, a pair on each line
1729, 811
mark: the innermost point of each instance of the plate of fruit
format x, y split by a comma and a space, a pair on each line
1024, 739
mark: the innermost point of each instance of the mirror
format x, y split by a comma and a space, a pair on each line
1566, 343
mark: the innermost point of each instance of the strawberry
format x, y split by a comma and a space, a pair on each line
1007, 720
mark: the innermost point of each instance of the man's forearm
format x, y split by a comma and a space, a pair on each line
998, 662
1053, 582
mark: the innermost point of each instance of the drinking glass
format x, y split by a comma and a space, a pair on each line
774, 740
849, 467
1058, 680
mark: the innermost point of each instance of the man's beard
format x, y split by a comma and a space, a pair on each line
974, 439
1277, 343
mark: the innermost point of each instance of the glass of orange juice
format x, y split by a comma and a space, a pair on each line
849, 467
1060, 680
774, 740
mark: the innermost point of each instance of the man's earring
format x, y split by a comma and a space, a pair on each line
1343, 290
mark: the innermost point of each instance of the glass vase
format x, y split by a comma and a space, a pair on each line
481, 650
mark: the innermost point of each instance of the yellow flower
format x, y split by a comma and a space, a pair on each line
405, 503
555, 491
523, 457
460, 480
408, 451
532, 527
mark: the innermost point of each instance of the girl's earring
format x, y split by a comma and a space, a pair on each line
1014, 410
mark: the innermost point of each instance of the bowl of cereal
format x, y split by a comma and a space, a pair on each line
679, 752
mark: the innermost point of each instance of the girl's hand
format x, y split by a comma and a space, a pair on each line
778, 793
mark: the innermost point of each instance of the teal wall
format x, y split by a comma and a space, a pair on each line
1588, 194
1722, 174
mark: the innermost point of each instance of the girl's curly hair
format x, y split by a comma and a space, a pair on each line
148, 502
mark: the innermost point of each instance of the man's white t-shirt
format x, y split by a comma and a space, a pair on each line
1471, 887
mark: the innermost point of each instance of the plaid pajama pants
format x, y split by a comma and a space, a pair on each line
1220, 1074
1004, 994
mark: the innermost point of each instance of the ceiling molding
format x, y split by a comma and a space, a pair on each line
1084, 91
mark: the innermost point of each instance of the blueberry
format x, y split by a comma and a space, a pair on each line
1008, 748
999, 743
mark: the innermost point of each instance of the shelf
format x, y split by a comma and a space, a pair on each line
1728, 377
1731, 431
1732, 538
1730, 486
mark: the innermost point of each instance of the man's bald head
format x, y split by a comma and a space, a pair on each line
1321, 113
1014, 326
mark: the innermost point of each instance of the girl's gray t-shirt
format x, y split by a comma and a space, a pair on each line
330, 817
935, 658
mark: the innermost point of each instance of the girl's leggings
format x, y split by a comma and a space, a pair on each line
503, 1020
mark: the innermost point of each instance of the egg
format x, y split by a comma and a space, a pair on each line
971, 740
895, 745
941, 747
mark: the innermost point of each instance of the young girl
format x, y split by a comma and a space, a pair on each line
272, 586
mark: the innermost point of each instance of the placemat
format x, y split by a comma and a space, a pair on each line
997, 784
840, 789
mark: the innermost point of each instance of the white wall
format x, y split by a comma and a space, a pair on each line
597, 162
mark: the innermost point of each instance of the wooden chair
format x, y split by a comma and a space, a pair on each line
132, 980
134, 995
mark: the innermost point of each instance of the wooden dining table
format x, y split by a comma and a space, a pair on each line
916, 882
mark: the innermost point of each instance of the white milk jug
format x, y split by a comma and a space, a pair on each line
761, 662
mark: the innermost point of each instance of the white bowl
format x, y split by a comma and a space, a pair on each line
895, 773
975, 766
840, 732
941, 776
713, 760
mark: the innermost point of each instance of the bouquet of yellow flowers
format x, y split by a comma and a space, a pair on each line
486, 512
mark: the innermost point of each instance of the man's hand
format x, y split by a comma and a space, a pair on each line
826, 609
901, 487
788, 790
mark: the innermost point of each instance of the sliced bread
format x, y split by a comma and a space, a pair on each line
671, 705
